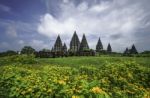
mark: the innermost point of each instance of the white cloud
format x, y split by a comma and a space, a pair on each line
83, 6
100, 7
66, 1
21, 42
38, 44
103, 19
11, 31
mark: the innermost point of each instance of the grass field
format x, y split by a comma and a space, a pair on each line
75, 61
74, 77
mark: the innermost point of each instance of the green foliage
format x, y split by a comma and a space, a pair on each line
46, 50
8, 53
143, 54
84, 77
146, 52
27, 50
16, 59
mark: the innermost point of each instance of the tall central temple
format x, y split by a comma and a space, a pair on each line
76, 48
74, 43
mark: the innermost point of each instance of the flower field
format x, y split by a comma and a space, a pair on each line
48, 78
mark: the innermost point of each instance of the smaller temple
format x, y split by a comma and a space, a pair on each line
65, 52
84, 49
58, 45
128, 52
64, 48
109, 50
99, 46
84, 45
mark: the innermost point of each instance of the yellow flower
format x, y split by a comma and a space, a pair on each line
23, 92
17, 89
44, 88
61, 82
30, 89
77, 90
49, 90
80, 86
66, 78
75, 96
96, 90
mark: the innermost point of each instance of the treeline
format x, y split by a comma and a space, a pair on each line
8, 53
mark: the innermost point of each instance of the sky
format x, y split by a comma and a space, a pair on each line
37, 23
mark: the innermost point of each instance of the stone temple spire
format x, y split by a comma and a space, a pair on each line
75, 43
99, 46
109, 49
133, 50
58, 45
64, 48
84, 45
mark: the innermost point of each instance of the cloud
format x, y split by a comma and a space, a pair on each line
4, 45
38, 44
15, 29
66, 1
49, 24
16, 34
21, 42
115, 21
11, 31
5, 8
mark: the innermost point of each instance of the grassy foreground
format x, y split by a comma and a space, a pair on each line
74, 77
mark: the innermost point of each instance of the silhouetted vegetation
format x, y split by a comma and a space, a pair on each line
8, 53
27, 50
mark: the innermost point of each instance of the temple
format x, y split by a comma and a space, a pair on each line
76, 48
74, 44
99, 46
84, 45
58, 45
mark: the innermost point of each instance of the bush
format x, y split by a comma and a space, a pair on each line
23, 59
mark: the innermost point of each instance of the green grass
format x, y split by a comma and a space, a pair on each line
77, 61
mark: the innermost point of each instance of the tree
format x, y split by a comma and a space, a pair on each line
133, 50
46, 50
146, 52
11, 52
109, 50
27, 50
8, 53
